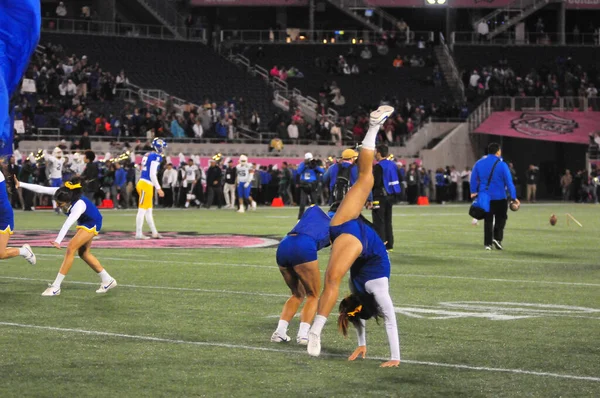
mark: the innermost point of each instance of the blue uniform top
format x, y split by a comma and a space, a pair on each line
373, 262
332, 173
4, 200
120, 177
148, 159
91, 217
440, 179
308, 174
501, 180
390, 176
314, 223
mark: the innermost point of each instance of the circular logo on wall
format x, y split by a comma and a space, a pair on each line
543, 124
126, 240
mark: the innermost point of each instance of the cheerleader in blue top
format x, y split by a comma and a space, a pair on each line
79, 209
357, 248
298, 264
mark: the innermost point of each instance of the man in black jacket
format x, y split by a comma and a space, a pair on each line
385, 187
213, 184
90, 176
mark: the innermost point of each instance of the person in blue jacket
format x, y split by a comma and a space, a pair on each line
440, 186
500, 183
299, 266
308, 180
348, 161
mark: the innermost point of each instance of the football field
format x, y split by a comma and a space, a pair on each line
194, 317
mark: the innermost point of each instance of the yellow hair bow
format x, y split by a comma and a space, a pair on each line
356, 311
72, 186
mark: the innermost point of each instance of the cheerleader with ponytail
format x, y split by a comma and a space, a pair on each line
84, 212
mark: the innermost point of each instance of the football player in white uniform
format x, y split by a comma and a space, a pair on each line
191, 177
245, 176
55, 163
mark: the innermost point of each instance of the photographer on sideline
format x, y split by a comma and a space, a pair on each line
307, 181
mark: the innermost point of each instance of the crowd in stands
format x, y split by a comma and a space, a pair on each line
67, 92
566, 77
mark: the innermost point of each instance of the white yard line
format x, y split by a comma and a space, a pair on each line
185, 289
254, 348
274, 268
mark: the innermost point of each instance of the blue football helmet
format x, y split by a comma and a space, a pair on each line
159, 145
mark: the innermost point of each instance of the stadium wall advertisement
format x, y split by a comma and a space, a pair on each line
581, 4
568, 127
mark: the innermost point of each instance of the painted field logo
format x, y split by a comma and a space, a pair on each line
543, 124
497, 311
126, 240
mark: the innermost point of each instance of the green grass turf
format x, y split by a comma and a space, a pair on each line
208, 339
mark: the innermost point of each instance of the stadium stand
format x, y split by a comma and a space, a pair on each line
184, 69
377, 78
530, 70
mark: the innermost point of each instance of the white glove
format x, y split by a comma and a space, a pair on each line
246, 185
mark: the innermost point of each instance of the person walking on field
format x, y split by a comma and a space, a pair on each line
493, 169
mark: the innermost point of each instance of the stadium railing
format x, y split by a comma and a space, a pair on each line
528, 39
118, 29
305, 36
537, 104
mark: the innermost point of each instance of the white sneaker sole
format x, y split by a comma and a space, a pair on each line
302, 341
31, 259
314, 345
142, 238
380, 115
103, 289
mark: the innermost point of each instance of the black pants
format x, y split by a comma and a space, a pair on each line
466, 192
212, 193
308, 195
495, 221
440, 193
412, 193
168, 199
382, 221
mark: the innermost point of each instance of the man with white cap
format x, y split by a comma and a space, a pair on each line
308, 179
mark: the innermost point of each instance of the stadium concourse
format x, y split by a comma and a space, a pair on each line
246, 95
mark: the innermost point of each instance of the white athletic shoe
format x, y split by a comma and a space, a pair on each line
277, 338
314, 344
105, 288
474, 222
30, 257
302, 340
254, 205
51, 291
379, 116
241, 209
157, 236
142, 237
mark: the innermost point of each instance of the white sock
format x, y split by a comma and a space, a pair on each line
303, 330
59, 278
150, 221
104, 276
23, 252
282, 327
318, 323
371, 137
139, 222
54, 204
